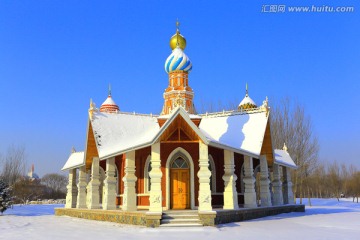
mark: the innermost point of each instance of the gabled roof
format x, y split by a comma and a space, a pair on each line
122, 132
179, 111
239, 131
76, 159
119, 133
283, 158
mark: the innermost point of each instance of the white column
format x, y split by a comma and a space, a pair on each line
264, 183
81, 197
230, 194
277, 186
71, 190
93, 195
288, 193
204, 179
155, 180
109, 194
129, 197
249, 181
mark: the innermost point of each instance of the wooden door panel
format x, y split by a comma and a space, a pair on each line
185, 188
180, 188
174, 189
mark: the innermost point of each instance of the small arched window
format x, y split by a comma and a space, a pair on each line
179, 163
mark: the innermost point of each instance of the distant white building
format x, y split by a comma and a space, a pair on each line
32, 175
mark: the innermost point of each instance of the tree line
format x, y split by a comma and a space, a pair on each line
333, 180
312, 178
24, 188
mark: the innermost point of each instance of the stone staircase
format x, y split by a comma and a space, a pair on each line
180, 218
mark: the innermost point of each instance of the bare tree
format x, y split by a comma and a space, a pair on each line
290, 125
345, 177
27, 189
354, 183
13, 164
56, 184
335, 180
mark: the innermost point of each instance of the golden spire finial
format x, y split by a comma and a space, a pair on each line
177, 40
92, 108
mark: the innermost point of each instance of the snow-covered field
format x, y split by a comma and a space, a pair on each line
326, 219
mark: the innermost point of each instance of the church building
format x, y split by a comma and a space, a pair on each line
149, 169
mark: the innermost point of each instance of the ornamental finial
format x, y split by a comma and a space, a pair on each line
285, 148
109, 89
177, 32
92, 108
247, 91
73, 150
177, 40
266, 103
177, 24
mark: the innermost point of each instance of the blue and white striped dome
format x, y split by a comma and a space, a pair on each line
178, 61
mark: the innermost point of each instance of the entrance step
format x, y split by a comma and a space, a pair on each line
180, 219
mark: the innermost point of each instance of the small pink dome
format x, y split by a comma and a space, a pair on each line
109, 106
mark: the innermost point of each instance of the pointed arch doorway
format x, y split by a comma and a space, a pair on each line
179, 184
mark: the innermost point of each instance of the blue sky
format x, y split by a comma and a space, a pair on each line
56, 55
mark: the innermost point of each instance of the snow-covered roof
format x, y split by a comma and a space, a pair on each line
76, 159
240, 131
122, 132
283, 158
247, 100
109, 101
116, 133
191, 116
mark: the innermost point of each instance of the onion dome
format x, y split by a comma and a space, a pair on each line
247, 102
177, 40
178, 61
109, 106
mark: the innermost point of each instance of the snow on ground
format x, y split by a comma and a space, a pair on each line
326, 219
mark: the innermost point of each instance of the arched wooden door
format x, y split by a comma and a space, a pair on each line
180, 184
